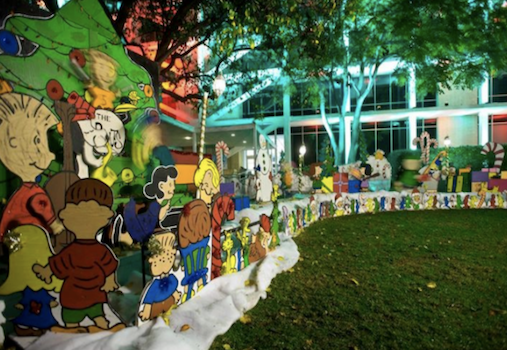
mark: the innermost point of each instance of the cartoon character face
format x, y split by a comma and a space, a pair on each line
207, 184
262, 142
162, 263
86, 218
24, 123
167, 188
105, 127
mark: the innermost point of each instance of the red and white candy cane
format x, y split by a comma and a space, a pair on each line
221, 148
425, 146
498, 151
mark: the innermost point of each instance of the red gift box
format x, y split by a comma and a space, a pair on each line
341, 183
500, 183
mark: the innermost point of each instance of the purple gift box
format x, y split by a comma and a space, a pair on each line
227, 188
480, 176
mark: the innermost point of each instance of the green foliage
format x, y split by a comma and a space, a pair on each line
363, 150
437, 279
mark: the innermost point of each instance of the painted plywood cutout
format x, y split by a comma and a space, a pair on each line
263, 173
260, 242
194, 229
223, 209
160, 294
29, 244
79, 49
86, 267
207, 181
24, 150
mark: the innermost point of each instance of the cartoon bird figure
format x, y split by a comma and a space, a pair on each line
230, 261
244, 239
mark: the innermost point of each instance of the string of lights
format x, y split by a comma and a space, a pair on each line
15, 28
99, 25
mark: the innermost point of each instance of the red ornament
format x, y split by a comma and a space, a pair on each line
54, 90
78, 56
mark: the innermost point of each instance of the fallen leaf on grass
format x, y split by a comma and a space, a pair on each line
301, 258
432, 285
226, 347
291, 270
268, 290
184, 328
419, 289
245, 319
356, 282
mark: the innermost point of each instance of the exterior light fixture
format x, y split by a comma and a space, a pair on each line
447, 141
219, 85
302, 150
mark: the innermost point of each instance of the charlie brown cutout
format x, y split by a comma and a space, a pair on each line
86, 266
24, 150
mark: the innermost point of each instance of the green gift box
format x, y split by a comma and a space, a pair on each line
467, 182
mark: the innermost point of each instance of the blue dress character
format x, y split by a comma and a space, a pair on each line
194, 230
36, 316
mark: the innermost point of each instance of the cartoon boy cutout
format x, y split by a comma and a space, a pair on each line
207, 181
24, 150
86, 266
160, 294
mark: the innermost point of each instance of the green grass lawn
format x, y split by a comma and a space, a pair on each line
401, 280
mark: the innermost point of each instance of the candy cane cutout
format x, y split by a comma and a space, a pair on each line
221, 149
425, 143
498, 151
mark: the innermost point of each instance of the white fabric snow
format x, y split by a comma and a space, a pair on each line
196, 323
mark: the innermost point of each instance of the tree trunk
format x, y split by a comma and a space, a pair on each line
325, 122
356, 127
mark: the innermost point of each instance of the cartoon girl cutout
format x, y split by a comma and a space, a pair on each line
161, 188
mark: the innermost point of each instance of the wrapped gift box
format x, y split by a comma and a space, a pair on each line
341, 183
500, 183
455, 184
466, 183
365, 185
327, 184
379, 185
241, 203
354, 186
479, 176
227, 188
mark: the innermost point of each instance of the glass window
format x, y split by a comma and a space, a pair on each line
498, 128
385, 95
498, 88
430, 100
266, 103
